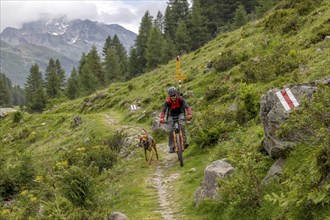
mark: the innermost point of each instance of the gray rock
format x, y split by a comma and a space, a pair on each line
117, 216
216, 170
275, 172
273, 114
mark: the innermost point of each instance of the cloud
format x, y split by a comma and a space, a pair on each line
125, 13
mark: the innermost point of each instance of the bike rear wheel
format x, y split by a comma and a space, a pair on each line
178, 141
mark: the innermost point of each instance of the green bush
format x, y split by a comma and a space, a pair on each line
229, 59
115, 142
78, 185
15, 175
17, 116
248, 107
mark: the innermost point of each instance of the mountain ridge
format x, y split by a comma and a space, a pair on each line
68, 39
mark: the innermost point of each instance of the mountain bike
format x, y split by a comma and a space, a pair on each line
177, 137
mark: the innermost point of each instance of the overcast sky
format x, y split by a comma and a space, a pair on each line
127, 13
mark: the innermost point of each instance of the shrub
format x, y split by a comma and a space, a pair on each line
78, 185
249, 105
15, 176
115, 142
229, 59
17, 116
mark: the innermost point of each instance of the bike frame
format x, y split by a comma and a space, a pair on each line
178, 138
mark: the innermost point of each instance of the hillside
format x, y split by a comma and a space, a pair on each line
53, 169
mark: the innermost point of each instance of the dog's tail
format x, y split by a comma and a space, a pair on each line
145, 131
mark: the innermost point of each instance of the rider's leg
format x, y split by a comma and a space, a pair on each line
183, 129
170, 135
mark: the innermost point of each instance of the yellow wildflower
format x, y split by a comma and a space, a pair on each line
39, 178
24, 192
5, 212
80, 149
33, 199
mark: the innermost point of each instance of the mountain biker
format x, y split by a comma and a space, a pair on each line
175, 105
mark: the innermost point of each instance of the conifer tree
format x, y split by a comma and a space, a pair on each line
141, 42
154, 48
159, 21
35, 94
94, 67
241, 17
182, 38
60, 74
169, 23
198, 27
106, 46
112, 66
263, 6
133, 63
122, 57
5, 94
72, 91
168, 50
51, 80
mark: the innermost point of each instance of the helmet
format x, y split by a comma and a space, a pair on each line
171, 91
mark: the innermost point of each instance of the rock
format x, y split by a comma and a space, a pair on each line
76, 121
216, 170
275, 172
4, 112
117, 216
273, 114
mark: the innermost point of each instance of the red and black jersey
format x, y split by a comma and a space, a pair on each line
175, 108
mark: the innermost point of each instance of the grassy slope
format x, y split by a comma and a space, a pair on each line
210, 93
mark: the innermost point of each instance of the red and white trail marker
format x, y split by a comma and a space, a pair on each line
287, 99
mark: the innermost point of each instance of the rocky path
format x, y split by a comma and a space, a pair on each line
163, 181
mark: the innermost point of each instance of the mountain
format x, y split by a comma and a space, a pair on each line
59, 38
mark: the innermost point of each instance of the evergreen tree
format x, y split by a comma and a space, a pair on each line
169, 23
72, 91
35, 94
106, 46
219, 13
122, 57
5, 94
159, 21
51, 80
154, 48
88, 81
141, 42
168, 50
182, 38
18, 95
94, 67
241, 17
112, 66
198, 27
60, 74
175, 10
264, 6
133, 63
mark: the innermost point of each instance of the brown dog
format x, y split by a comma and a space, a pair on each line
147, 142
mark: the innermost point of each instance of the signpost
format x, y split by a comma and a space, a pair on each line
178, 75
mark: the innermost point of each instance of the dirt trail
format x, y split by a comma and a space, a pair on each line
160, 178
163, 181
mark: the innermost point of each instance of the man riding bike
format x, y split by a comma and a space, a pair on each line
175, 105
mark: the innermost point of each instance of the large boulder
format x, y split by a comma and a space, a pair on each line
275, 107
4, 112
275, 172
216, 170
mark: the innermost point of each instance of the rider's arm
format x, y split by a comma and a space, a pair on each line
186, 106
162, 113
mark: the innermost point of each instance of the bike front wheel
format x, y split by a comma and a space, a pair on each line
178, 141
